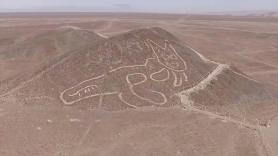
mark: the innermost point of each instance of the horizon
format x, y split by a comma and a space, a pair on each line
148, 6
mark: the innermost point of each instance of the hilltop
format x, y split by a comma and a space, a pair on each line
146, 68
35, 52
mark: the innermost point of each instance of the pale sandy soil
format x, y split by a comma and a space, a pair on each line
270, 137
47, 131
250, 44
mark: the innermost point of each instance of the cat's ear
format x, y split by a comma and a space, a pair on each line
156, 49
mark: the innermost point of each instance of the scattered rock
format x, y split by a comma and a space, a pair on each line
75, 120
49, 121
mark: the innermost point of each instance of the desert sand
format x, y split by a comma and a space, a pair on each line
138, 84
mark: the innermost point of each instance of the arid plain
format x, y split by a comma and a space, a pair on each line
31, 46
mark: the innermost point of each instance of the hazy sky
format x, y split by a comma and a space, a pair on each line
139, 5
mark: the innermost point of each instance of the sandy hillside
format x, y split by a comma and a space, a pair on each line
198, 85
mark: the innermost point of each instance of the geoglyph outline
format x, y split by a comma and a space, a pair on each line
131, 85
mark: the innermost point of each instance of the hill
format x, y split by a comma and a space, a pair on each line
143, 68
39, 50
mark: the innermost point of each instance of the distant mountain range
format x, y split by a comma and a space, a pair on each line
247, 13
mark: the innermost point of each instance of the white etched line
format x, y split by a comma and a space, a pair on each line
131, 85
158, 72
247, 77
86, 97
94, 78
172, 61
213, 115
201, 56
132, 66
125, 102
74, 120
178, 80
100, 100
102, 35
149, 100
167, 45
185, 95
86, 89
175, 78
70, 27
134, 74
